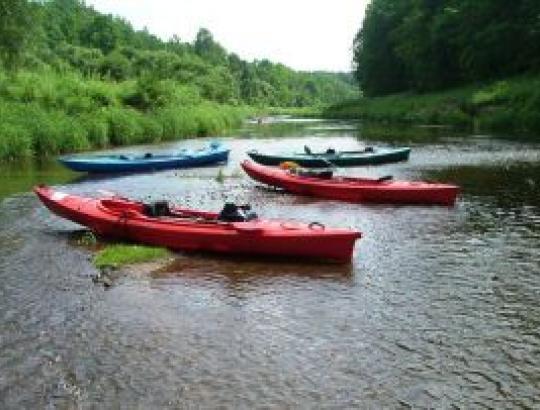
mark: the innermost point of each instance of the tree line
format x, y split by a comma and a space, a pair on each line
425, 45
67, 35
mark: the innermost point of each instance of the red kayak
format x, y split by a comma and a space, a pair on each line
190, 230
325, 185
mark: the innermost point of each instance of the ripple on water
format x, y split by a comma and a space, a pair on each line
438, 309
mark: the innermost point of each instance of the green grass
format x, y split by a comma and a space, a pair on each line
119, 255
509, 105
45, 114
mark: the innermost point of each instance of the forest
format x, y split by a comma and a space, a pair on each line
428, 45
474, 64
72, 79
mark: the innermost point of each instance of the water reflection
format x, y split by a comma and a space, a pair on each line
19, 177
506, 184
241, 269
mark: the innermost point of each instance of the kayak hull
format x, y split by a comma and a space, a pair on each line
123, 163
359, 190
378, 156
192, 230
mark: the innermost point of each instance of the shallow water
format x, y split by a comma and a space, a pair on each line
438, 309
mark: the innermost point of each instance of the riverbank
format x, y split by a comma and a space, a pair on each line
47, 113
501, 106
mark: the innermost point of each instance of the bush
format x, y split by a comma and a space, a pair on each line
47, 113
97, 127
152, 129
15, 142
124, 126
149, 93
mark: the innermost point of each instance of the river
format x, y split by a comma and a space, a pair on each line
440, 307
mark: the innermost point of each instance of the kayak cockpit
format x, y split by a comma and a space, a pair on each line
119, 205
159, 209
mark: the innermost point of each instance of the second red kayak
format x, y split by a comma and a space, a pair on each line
164, 225
353, 189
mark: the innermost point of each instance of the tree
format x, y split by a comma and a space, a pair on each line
208, 49
378, 68
434, 44
102, 32
17, 22
116, 66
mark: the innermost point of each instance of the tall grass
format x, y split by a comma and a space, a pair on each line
44, 113
510, 105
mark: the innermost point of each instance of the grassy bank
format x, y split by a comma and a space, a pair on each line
511, 105
45, 113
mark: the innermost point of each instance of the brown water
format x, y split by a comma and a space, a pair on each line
440, 307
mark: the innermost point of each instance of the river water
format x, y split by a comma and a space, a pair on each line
440, 307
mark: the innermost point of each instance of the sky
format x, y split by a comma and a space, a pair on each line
302, 34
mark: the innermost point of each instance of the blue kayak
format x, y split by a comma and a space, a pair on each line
212, 154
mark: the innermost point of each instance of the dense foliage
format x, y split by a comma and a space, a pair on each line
67, 35
73, 79
506, 105
435, 44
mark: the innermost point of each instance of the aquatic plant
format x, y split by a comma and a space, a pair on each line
220, 177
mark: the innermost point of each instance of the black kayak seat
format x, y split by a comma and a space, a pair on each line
157, 208
235, 213
385, 178
307, 150
311, 173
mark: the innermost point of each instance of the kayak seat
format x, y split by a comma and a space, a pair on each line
148, 155
307, 150
235, 213
157, 208
331, 151
385, 178
322, 174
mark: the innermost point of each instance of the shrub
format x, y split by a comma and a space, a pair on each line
15, 142
97, 127
124, 126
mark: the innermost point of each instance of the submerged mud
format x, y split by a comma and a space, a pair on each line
438, 309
